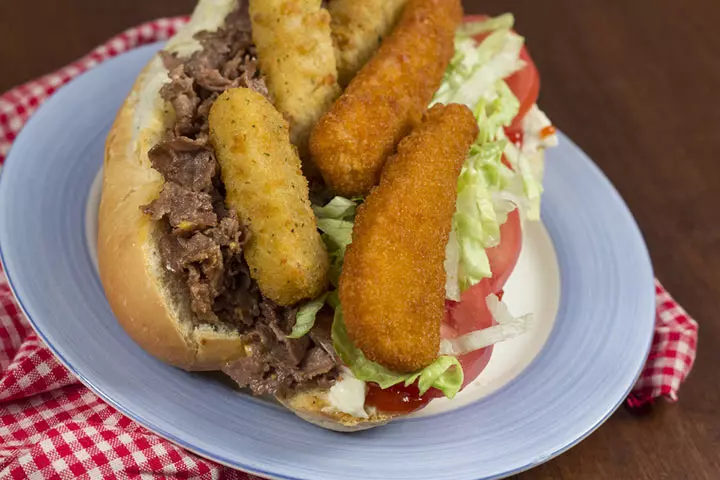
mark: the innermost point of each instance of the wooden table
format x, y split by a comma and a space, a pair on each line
637, 85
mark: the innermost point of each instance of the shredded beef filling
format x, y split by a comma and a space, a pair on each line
204, 240
278, 364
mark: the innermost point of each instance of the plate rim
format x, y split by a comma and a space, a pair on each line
147, 423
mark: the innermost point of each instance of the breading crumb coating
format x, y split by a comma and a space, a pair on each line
358, 29
264, 184
352, 141
296, 55
392, 286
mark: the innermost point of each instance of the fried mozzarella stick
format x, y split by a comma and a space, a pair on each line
358, 29
392, 286
353, 140
296, 55
261, 172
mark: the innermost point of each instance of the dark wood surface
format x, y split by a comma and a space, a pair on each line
637, 85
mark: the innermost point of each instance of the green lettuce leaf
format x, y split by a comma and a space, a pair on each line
503, 22
475, 69
305, 317
445, 373
480, 211
487, 189
335, 220
338, 208
337, 233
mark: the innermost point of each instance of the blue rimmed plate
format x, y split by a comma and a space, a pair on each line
584, 271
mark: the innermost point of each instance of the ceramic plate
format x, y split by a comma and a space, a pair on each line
584, 272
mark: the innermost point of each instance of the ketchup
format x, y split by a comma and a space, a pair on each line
548, 131
515, 137
396, 399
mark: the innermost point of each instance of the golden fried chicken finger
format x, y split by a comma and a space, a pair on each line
358, 28
392, 286
261, 172
296, 55
353, 140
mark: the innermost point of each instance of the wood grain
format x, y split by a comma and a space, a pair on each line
637, 86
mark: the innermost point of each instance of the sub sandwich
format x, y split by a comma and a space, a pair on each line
324, 202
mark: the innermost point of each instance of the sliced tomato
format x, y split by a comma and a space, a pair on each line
504, 257
525, 84
468, 315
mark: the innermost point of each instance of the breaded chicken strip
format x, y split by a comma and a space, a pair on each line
358, 28
261, 172
392, 286
295, 53
353, 140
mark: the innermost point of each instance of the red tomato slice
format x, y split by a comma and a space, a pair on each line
466, 316
504, 257
525, 84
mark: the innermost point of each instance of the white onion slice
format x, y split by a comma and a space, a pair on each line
452, 268
507, 327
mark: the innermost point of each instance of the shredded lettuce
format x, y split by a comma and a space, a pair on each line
335, 220
337, 208
487, 189
475, 69
531, 176
305, 318
470, 29
445, 373
508, 327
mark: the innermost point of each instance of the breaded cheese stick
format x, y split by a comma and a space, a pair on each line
353, 140
392, 286
296, 55
358, 28
264, 184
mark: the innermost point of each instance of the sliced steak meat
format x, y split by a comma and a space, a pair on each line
180, 92
249, 78
201, 294
203, 114
238, 304
269, 370
170, 60
317, 362
189, 163
321, 332
186, 210
280, 321
207, 75
250, 372
204, 240
288, 363
198, 249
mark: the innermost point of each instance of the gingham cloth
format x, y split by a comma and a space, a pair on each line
52, 427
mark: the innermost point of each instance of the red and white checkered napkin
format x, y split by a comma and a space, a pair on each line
52, 427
